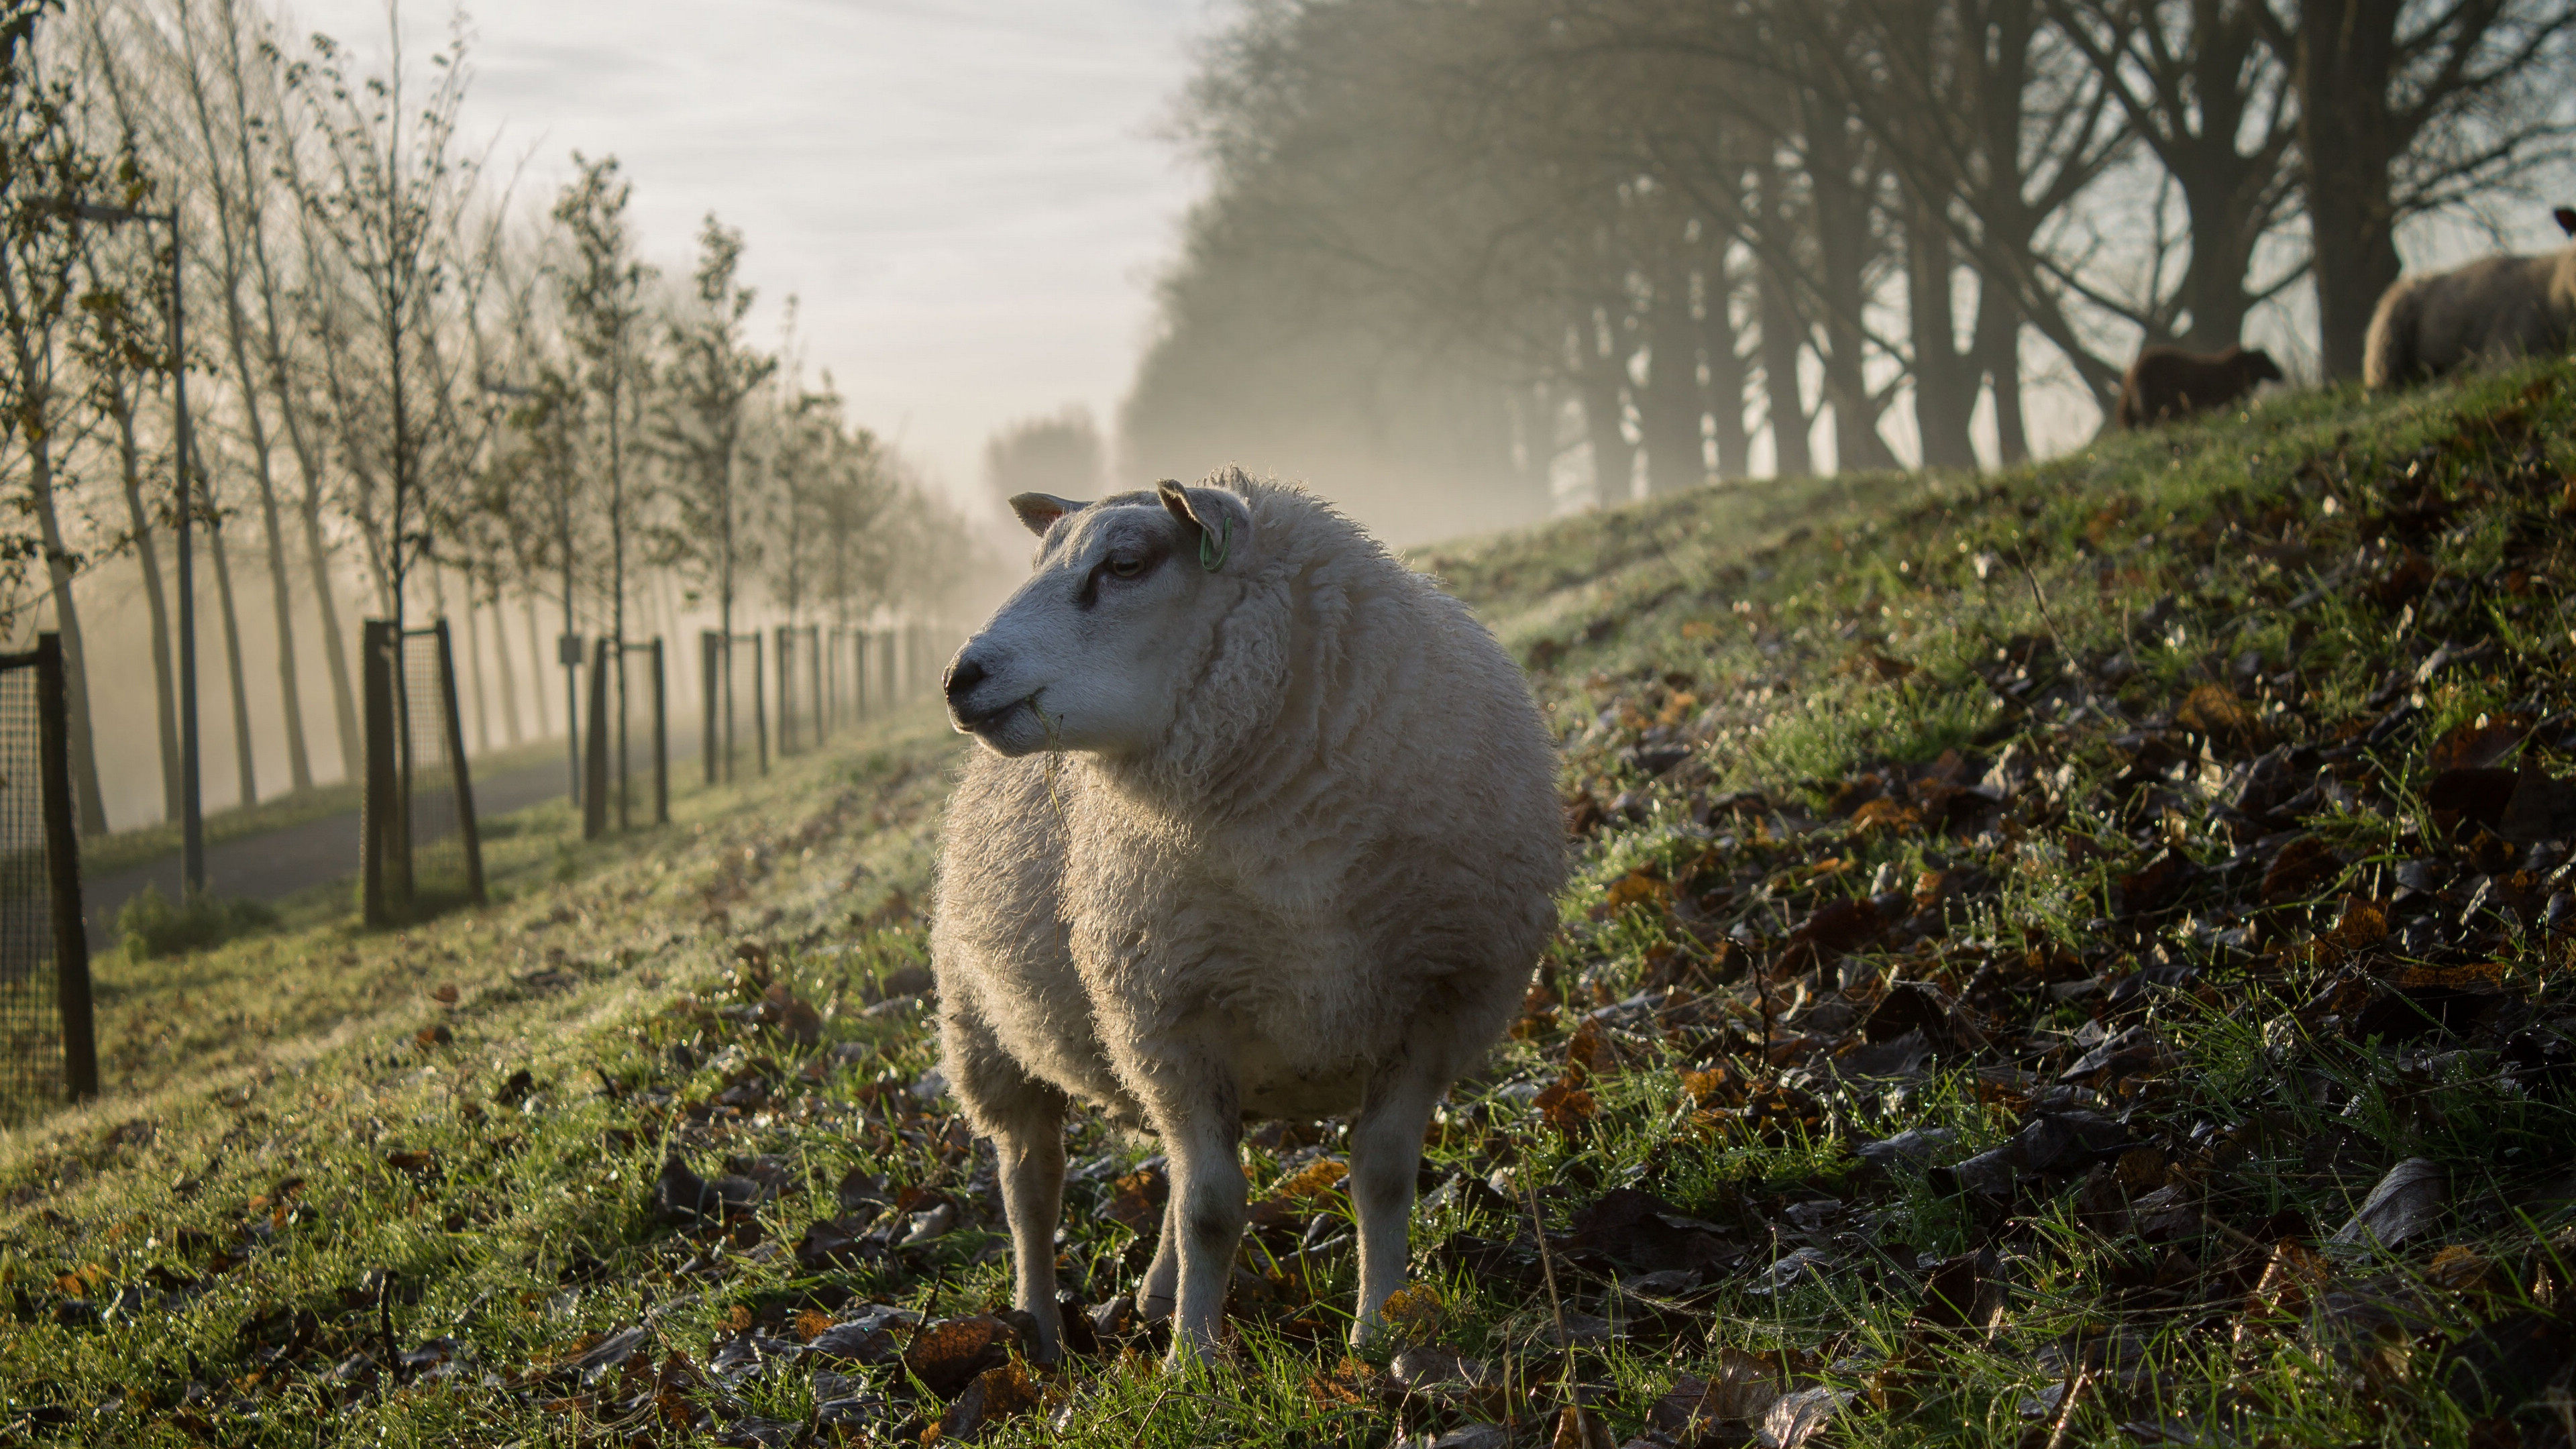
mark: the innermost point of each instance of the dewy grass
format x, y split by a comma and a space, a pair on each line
1913, 816
149, 926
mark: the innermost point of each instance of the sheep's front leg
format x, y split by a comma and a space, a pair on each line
1200, 1126
1025, 1119
1386, 1153
1031, 1152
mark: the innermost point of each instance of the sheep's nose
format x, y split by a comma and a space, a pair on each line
963, 675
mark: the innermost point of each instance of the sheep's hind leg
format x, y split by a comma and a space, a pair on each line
1154, 1297
1386, 1153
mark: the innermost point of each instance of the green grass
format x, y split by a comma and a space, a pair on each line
313, 1160
151, 925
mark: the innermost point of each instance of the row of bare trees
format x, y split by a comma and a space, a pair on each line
1652, 231
401, 373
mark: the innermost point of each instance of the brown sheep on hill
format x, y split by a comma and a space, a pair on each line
2166, 383
2493, 308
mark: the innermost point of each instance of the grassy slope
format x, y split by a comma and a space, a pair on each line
1772, 847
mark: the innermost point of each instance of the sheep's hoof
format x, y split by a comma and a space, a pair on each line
1153, 1308
1194, 1348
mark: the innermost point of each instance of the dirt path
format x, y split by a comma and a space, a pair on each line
276, 865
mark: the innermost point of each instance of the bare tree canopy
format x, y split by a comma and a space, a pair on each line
401, 382
1589, 237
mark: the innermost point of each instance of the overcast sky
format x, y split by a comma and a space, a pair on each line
969, 197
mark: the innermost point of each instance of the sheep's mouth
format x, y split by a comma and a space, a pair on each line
988, 722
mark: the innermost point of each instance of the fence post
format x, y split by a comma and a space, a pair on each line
455, 721
814, 656
625, 766
661, 741
376, 823
859, 674
759, 704
62, 873
785, 637
594, 807
708, 643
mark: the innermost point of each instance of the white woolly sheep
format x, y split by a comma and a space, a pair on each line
1264, 825
2493, 308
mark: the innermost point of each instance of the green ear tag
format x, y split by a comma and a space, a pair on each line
1212, 561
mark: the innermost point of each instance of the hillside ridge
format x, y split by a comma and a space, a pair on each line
2072, 956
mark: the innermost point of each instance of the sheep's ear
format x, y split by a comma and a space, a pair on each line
1039, 511
1216, 516
2566, 219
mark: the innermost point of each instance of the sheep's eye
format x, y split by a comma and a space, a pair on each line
1123, 567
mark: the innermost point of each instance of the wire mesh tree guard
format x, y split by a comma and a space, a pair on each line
419, 849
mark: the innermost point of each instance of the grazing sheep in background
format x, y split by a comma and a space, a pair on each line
2492, 309
2166, 383
1264, 824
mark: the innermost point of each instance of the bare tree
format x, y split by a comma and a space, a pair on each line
47, 170
601, 289
273, 358
121, 345
2207, 96
135, 69
380, 203
226, 131
710, 381
2407, 106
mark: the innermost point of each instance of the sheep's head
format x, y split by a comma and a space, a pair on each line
2259, 366
1089, 654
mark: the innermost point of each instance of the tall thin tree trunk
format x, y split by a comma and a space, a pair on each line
236, 210
1676, 456
156, 602
1533, 420
617, 588
1784, 395
233, 661
58, 570
326, 609
1722, 349
335, 647
508, 673
1840, 213
1945, 382
2346, 52
308, 466
281, 590
1998, 349
537, 668
474, 667
1614, 458
1599, 375
686, 685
